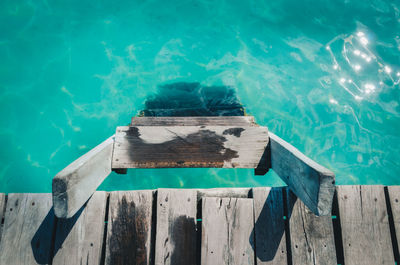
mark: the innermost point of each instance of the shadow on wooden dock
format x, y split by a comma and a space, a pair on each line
271, 225
215, 226
45, 236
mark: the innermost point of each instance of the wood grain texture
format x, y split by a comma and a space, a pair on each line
194, 121
223, 193
176, 227
394, 197
269, 226
2, 211
129, 227
227, 224
79, 239
189, 146
28, 229
311, 182
74, 185
365, 226
311, 236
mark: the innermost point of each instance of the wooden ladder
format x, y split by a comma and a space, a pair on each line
182, 142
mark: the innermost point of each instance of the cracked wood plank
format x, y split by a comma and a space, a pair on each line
2, 211
312, 238
79, 239
189, 146
194, 121
74, 185
269, 226
311, 182
129, 228
176, 227
227, 224
394, 197
28, 229
365, 225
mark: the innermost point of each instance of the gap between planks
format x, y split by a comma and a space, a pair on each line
393, 196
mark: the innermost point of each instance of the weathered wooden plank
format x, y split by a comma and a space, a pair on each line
394, 197
194, 121
2, 211
129, 227
28, 229
73, 186
269, 226
189, 146
227, 224
79, 239
311, 236
176, 227
223, 193
311, 182
365, 225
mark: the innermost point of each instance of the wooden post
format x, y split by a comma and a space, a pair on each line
74, 185
311, 182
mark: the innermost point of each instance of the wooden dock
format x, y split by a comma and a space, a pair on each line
205, 226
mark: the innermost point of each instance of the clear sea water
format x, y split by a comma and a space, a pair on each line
323, 75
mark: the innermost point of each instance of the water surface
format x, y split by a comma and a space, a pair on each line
323, 75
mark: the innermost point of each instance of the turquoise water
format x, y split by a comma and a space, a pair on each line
323, 75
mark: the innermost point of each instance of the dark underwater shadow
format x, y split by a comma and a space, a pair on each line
192, 99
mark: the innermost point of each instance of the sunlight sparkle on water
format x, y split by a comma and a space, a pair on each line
357, 67
333, 101
364, 41
369, 88
388, 69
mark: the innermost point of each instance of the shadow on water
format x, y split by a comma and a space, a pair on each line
192, 99
272, 226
